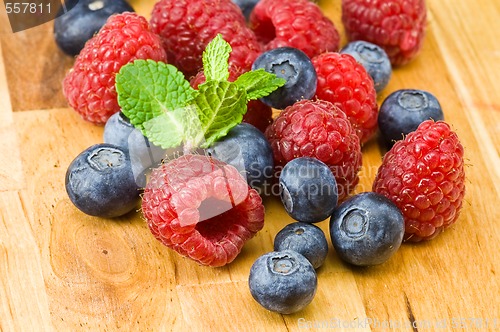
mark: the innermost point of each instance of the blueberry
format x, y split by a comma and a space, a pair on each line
404, 110
100, 181
246, 148
84, 18
306, 239
117, 130
246, 6
144, 155
374, 59
296, 68
367, 229
308, 189
283, 281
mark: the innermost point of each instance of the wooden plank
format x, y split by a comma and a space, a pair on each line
227, 303
472, 56
472, 59
99, 274
143, 8
430, 283
63, 270
34, 82
4, 22
11, 171
23, 299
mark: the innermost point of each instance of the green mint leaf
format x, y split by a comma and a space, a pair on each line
174, 128
215, 59
259, 83
147, 89
154, 129
221, 106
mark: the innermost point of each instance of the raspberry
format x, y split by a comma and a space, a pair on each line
202, 208
258, 114
320, 130
424, 176
295, 23
187, 26
89, 86
398, 26
346, 83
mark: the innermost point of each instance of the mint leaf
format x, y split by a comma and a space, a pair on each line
173, 128
154, 129
160, 102
215, 59
147, 89
259, 83
221, 106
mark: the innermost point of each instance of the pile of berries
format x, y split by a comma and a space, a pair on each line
206, 204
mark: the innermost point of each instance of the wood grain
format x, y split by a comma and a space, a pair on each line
35, 80
11, 174
62, 270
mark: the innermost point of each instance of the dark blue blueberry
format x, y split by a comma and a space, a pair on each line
246, 148
100, 181
374, 59
246, 6
367, 229
283, 281
117, 130
306, 239
74, 28
296, 68
404, 110
308, 189
144, 155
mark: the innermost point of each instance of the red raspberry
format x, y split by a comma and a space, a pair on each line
258, 114
346, 83
320, 130
296, 23
187, 26
398, 26
202, 208
424, 176
89, 86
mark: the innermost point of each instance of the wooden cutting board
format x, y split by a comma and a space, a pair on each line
63, 270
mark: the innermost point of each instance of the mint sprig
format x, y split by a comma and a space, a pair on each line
221, 107
159, 101
147, 89
216, 60
258, 83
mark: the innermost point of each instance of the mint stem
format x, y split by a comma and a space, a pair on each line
188, 148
